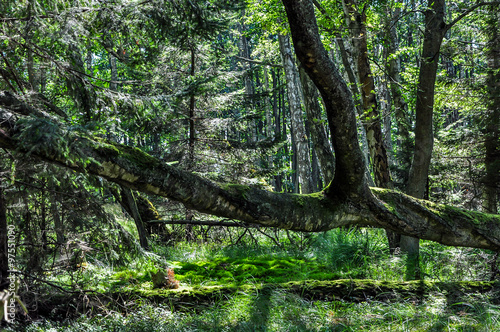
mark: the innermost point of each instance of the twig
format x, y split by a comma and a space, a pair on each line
241, 236
269, 236
204, 223
257, 62
52, 284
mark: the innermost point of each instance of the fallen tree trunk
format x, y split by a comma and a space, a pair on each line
134, 169
59, 304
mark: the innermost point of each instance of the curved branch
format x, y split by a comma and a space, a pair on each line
132, 168
349, 166
470, 10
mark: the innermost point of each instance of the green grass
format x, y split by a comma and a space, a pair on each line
338, 254
276, 310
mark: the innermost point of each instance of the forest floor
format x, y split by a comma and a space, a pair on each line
342, 280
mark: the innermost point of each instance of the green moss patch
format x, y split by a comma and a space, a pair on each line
267, 269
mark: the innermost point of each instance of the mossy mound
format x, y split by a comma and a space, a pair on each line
267, 269
347, 290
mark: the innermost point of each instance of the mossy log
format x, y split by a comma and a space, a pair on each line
185, 298
321, 211
349, 290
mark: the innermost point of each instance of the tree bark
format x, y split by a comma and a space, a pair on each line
58, 224
401, 116
296, 117
247, 67
192, 139
435, 29
492, 139
371, 112
331, 208
318, 135
132, 204
114, 72
349, 169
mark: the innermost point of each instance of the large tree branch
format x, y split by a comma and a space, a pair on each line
470, 10
137, 170
349, 171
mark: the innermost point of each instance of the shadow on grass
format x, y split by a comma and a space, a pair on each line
259, 314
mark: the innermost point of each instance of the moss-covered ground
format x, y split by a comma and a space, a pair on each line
343, 280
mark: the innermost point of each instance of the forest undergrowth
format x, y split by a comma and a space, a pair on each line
285, 283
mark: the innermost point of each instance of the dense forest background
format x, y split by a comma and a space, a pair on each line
220, 89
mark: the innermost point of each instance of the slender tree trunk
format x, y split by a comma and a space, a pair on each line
401, 116
58, 224
277, 124
298, 129
316, 173
32, 75
319, 139
351, 71
371, 113
43, 219
114, 72
247, 67
399, 105
132, 204
192, 104
424, 138
192, 140
435, 29
492, 139
385, 105
269, 111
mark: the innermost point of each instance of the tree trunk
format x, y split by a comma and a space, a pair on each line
114, 72
435, 29
319, 139
132, 204
492, 139
192, 140
371, 113
77, 85
401, 116
277, 125
58, 224
247, 78
298, 129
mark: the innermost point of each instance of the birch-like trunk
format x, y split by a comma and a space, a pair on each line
318, 135
371, 110
399, 105
296, 116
